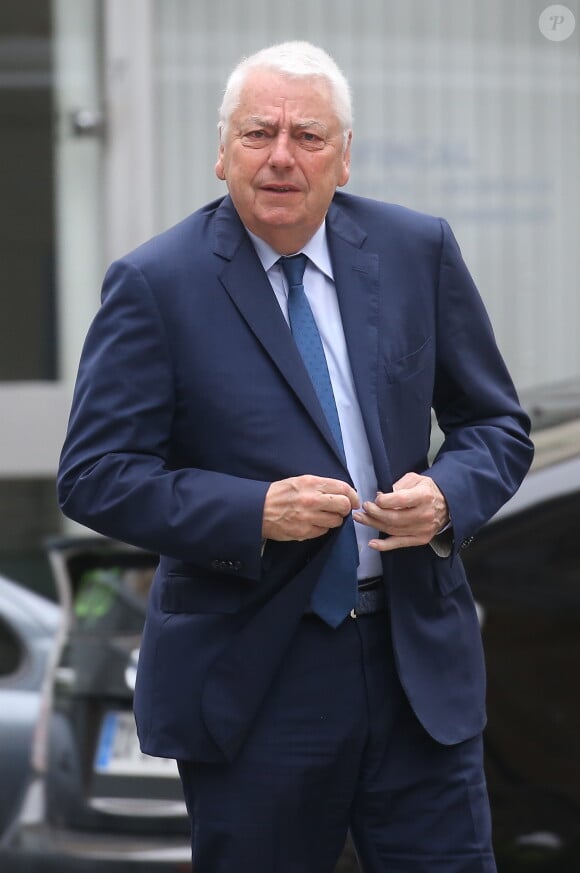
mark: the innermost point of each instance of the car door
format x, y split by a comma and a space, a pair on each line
28, 625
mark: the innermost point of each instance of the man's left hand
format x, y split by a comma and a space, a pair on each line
412, 514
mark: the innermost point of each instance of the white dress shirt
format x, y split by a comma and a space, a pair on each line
321, 292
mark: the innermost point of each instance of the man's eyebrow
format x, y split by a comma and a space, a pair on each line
303, 125
260, 121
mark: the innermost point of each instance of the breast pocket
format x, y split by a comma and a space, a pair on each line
405, 400
410, 364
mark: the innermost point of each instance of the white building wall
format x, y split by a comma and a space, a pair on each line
462, 108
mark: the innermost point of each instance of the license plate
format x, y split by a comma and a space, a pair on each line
118, 751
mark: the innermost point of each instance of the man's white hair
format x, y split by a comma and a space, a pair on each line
296, 60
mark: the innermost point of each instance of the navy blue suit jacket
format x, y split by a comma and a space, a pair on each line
192, 398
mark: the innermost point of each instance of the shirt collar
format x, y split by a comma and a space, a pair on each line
316, 249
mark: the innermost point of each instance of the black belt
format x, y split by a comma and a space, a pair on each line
371, 598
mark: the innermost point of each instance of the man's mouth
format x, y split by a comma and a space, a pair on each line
280, 189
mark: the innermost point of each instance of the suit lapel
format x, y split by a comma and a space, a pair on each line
356, 275
245, 281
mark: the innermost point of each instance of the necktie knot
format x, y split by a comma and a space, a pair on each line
293, 268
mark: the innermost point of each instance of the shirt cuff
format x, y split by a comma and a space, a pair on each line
442, 542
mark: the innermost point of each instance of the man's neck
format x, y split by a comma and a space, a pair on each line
285, 241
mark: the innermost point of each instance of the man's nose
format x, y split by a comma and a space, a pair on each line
282, 152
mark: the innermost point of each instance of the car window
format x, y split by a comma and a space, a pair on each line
112, 596
532, 558
10, 650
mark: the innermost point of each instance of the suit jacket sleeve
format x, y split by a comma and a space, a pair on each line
116, 475
486, 451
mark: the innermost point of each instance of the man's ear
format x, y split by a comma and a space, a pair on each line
219, 167
345, 169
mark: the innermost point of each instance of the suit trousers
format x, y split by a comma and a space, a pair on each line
335, 746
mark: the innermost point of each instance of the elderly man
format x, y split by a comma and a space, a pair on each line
254, 403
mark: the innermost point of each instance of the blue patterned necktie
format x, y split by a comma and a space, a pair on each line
335, 592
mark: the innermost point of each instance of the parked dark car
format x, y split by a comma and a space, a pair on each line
28, 628
95, 803
524, 569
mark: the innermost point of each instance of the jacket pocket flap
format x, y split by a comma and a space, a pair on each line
188, 594
449, 576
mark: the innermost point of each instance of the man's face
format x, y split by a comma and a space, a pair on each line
283, 157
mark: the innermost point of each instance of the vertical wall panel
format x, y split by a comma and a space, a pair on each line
462, 109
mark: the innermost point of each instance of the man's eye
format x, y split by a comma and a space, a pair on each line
311, 139
255, 138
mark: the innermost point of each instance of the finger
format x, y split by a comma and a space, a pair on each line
406, 498
391, 516
339, 488
422, 507
384, 520
337, 503
327, 519
389, 501
372, 510
314, 493
365, 518
389, 544
305, 530
398, 523
409, 480
315, 503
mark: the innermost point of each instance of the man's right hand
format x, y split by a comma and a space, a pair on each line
305, 507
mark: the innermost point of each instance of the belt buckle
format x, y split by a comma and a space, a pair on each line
353, 613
